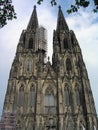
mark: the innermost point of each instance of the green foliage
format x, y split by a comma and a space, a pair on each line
53, 2
78, 4
6, 12
96, 4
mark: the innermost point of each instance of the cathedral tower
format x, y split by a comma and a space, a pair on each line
48, 96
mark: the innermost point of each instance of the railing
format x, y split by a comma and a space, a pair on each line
8, 121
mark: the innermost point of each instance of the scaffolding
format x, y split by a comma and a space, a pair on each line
42, 39
8, 121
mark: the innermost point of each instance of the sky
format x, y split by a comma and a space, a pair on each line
84, 23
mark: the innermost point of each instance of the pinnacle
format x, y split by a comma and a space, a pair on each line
33, 23
61, 23
59, 7
34, 6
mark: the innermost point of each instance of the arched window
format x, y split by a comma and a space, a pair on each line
68, 65
21, 96
32, 96
77, 96
30, 44
66, 96
49, 100
29, 65
65, 43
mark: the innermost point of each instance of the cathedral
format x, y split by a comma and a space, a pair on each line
45, 95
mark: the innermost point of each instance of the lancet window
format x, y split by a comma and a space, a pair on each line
77, 96
29, 65
49, 100
66, 95
21, 96
68, 65
30, 46
65, 43
32, 96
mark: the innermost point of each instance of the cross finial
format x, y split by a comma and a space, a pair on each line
59, 7
34, 6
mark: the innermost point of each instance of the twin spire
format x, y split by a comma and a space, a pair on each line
33, 23
61, 23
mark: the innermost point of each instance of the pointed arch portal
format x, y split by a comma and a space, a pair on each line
49, 100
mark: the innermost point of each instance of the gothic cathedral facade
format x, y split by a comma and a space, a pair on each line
50, 96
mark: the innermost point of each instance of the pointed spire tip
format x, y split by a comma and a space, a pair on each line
61, 23
59, 7
33, 23
34, 6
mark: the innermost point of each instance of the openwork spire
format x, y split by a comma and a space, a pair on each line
33, 23
61, 23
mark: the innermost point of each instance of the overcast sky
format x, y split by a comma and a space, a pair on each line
83, 23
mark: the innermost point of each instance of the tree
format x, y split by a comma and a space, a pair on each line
7, 11
78, 4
